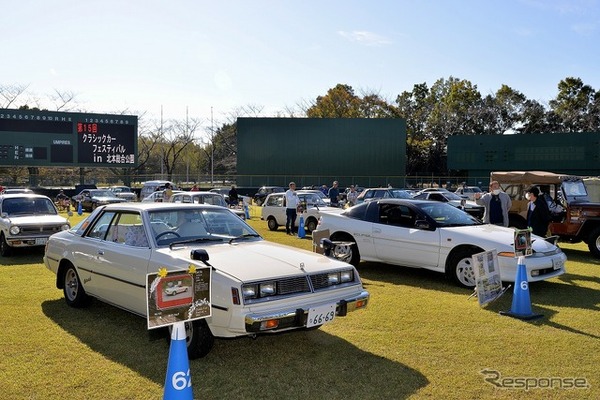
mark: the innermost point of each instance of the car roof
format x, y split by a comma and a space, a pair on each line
22, 195
155, 206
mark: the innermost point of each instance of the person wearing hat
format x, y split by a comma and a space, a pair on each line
538, 214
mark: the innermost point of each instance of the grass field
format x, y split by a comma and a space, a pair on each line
420, 337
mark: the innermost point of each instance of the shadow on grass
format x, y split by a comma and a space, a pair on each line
298, 364
563, 291
23, 256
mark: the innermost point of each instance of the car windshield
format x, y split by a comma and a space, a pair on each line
446, 215
400, 194
202, 224
101, 193
28, 206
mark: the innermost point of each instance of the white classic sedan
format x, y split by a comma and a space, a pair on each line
435, 236
256, 286
27, 220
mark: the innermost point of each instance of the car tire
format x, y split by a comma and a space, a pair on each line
75, 294
199, 339
354, 255
311, 224
594, 242
459, 267
272, 224
5, 249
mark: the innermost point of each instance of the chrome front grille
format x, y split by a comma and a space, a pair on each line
296, 284
44, 230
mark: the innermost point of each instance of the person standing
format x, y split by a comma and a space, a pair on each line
352, 196
168, 192
497, 204
538, 214
334, 194
291, 205
234, 200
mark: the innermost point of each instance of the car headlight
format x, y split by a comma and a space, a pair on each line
268, 289
335, 278
15, 230
65, 227
347, 276
249, 291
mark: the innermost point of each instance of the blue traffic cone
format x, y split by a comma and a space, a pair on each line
79, 208
178, 383
521, 303
301, 231
246, 211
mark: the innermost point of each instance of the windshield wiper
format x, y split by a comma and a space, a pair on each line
246, 235
195, 240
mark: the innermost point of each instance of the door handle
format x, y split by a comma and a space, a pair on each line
100, 252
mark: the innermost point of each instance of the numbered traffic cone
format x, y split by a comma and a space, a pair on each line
301, 231
178, 383
521, 303
79, 208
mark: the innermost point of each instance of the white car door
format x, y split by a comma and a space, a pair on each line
116, 252
398, 241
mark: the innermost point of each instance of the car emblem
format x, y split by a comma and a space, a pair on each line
302, 266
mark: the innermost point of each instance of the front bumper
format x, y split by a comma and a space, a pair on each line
296, 318
27, 241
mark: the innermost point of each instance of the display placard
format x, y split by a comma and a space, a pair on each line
488, 284
178, 296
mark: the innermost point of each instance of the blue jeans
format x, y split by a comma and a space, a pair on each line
290, 221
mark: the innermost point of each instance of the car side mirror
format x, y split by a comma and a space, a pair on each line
422, 224
199, 255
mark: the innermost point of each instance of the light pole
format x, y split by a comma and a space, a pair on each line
212, 149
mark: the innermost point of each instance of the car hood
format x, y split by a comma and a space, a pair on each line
106, 198
38, 219
490, 236
255, 260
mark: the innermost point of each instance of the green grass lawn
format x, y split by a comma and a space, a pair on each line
420, 337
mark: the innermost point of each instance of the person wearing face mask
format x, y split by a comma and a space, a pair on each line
538, 214
496, 203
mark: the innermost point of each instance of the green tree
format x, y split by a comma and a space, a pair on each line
339, 102
573, 104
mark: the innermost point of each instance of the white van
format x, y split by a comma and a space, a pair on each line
152, 186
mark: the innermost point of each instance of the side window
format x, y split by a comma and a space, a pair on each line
101, 226
437, 197
127, 229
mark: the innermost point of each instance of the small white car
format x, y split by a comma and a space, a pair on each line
213, 198
273, 210
435, 236
257, 287
27, 220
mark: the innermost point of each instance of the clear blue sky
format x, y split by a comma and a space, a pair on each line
141, 54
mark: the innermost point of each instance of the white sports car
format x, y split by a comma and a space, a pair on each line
256, 286
435, 236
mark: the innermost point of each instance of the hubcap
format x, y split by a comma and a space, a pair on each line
71, 284
465, 273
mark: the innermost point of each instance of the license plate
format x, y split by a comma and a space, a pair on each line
557, 263
320, 315
40, 241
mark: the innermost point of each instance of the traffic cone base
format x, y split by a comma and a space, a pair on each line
521, 303
301, 231
178, 382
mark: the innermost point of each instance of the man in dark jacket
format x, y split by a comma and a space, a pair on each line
538, 214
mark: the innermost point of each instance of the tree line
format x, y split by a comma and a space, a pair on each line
192, 150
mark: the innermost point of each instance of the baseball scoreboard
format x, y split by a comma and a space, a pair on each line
65, 139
